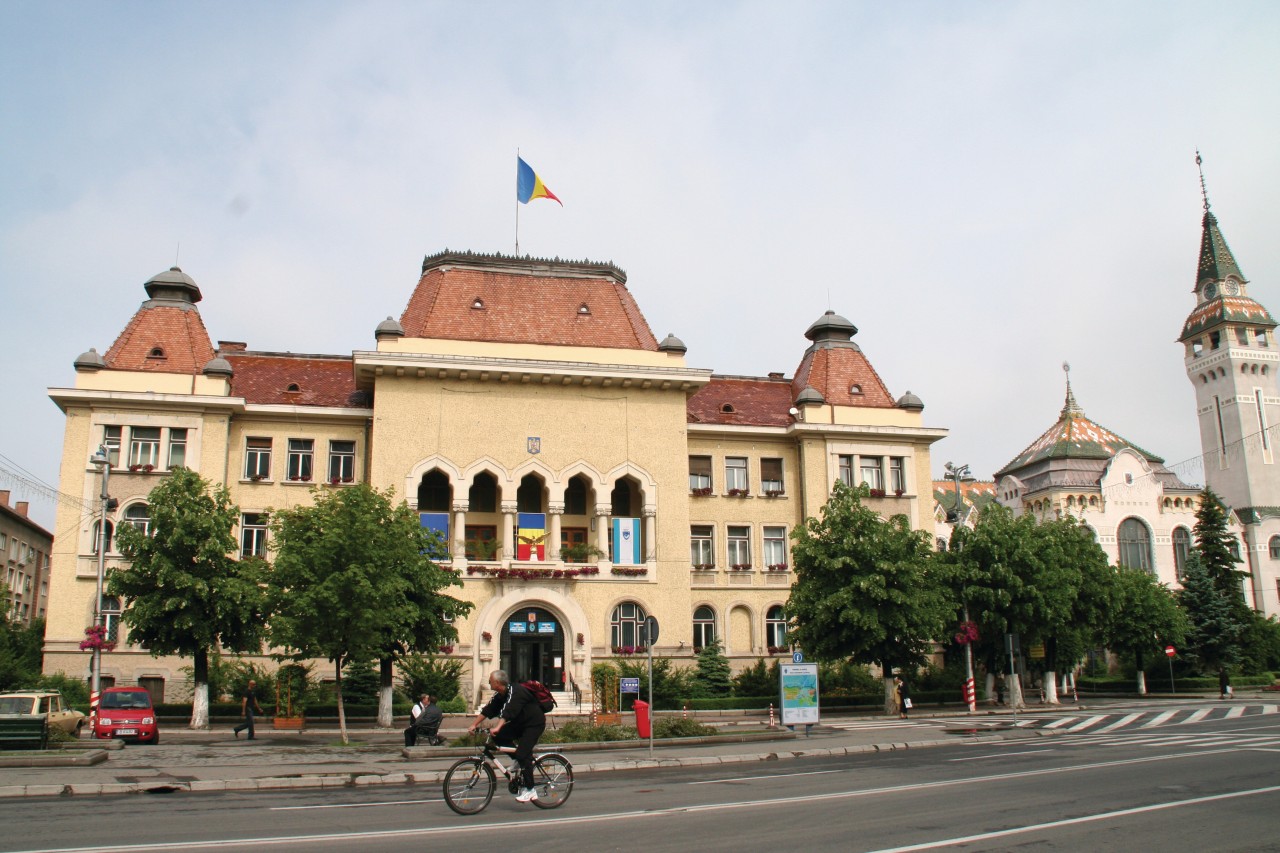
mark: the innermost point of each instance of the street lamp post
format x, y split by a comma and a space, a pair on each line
957, 473
102, 462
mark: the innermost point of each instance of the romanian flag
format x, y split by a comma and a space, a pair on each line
529, 186
531, 536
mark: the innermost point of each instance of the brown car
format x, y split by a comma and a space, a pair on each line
45, 703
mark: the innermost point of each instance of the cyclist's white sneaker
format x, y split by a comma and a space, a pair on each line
527, 795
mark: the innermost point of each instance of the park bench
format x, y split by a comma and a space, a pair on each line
24, 731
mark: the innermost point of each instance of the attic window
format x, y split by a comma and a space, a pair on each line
293, 387
477, 304
728, 409
156, 352
855, 389
584, 310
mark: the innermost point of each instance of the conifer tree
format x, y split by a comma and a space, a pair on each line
1216, 630
1214, 543
713, 673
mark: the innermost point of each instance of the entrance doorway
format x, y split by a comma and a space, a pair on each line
533, 647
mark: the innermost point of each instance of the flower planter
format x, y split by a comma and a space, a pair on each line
287, 723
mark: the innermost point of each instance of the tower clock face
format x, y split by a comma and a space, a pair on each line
1230, 287
1210, 290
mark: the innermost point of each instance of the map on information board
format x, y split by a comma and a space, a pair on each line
799, 693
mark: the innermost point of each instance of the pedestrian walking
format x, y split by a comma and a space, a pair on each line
248, 707
904, 697
1224, 684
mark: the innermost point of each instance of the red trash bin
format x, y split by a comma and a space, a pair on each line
642, 717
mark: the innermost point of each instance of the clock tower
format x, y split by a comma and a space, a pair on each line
1232, 359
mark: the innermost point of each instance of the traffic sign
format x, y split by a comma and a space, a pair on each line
797, 657
629, 685
651, 630
1170, 651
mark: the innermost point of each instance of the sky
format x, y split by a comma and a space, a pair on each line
986, 190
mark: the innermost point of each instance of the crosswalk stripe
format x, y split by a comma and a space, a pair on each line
1120, 723
1197, 716
1232, 713
1158, 719
1061, 722
1087, 723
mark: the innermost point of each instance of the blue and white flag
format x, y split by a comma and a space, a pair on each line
626, 542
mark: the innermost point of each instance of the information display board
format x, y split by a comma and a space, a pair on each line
799, 693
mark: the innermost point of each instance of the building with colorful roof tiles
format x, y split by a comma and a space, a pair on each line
583, 474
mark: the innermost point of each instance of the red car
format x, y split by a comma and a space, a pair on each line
126, 713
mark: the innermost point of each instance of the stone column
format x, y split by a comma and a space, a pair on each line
603, 519
508, 530
650, 534
555, 511
458, 534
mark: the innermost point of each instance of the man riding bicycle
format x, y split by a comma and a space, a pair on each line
520, 723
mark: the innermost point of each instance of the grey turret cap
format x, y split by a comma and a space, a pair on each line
173, 287
89, 360
218, 367
831, 327
388, 328
810, 396
672, 344
910, 402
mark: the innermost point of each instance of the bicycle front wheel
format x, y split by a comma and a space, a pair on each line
553, 780
468, 786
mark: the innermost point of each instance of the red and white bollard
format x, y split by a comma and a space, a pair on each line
684, 714
970, 695
93, 712
772, 719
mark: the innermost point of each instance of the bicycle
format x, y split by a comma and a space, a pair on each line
469, 784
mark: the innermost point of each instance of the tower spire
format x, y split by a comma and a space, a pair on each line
1216, 260
1204, 192
1070, 408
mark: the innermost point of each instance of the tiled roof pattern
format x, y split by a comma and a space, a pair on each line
179, 333
322, 380
1229, 309
1073, 436
525, 308
978, 493
832, 371
755, 402
1216, 260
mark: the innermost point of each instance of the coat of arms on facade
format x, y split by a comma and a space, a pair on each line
534, 444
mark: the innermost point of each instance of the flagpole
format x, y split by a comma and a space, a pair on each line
517, 202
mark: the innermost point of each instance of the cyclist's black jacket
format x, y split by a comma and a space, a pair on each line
518, 707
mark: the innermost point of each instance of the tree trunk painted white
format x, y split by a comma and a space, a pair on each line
1014, 683
890, 697
1050, 687
1142, 683
200, 707
989, 688
384, 706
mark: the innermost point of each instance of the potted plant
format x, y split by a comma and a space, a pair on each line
148, 467
741, 567
135, 467
580, 552
898, 492
778, 567
257, 477
486, 636
739, 493
701, 493
877, 493
772, 493
704, 567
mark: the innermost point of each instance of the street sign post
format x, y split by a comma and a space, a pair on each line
1169, 652
650, 631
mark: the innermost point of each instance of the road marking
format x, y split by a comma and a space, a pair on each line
773, 776
1089, 721
1232, 713
1158, 720
354, 805
1003, 755
1076, 821
1062, 722
1197, 716
1119, 724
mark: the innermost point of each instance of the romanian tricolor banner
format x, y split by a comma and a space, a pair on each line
531, 536
626, 542
529, 186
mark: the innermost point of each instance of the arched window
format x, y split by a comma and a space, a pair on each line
111, 618
775, 628
139, 516
1135, 545
1275, 547
434, 492
1181, 549
1233, 545
704, 627
625, 624
483, 495
97, 536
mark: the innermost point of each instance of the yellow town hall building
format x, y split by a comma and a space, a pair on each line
583, 474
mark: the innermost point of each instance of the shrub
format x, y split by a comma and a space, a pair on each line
360, 682
670, 683
757, 680
681, 727
441, 677
75, 691
579, 731
848, 677
713, 671
456, 705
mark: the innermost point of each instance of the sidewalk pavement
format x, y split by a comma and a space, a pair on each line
217, 761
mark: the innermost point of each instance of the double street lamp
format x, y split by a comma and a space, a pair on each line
958, 474
102, 462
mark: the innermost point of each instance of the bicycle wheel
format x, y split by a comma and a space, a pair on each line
468, 786
553, 780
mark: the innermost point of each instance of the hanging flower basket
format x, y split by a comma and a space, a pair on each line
95, 637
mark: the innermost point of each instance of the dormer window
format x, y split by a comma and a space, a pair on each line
293, 388
156, 352
855, 390
477, 304
584, 310
728, 409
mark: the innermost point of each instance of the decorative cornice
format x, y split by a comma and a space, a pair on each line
525, 264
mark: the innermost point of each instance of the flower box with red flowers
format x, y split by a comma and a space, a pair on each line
778, 567
629, 571
739, 493
741, 567
701, 493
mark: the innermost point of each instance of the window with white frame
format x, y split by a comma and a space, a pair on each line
111, 442
704, 627
771, 475
738, 540
775, 547
702, 546
97, 536
257, 458
177, 448
699, 473
1134, 544
1274, 547
897, 474
301, 451
144, 447
735, 473
111, 618
138, 516
342, 461
844, 469
872, 471
1181, 550
253, 534
775, 627
624, 624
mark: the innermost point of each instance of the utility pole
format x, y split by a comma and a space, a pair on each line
957, 473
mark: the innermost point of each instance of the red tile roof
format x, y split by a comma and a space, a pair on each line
754, 402
534, 302
179, 334
833, 371
322, 380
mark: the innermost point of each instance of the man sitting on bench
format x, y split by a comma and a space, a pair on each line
424, 722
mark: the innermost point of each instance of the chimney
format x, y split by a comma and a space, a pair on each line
21, 508
4, 497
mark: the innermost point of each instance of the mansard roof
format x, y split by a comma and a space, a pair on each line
742, 401
166, 335
500, 299
266, 378
835, 371
1226, 309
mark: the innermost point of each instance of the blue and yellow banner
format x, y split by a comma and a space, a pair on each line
531, 536
529, 186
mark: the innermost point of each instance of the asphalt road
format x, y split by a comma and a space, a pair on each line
1207, 786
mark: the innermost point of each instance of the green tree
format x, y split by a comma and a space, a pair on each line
1146, 617
354, 579
442, 677
1072, 559
184, 593
759, 679
21, 650
864, 590
1216, 628
712, 673
1217, 546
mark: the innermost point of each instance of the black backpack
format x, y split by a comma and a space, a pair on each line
541, 695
